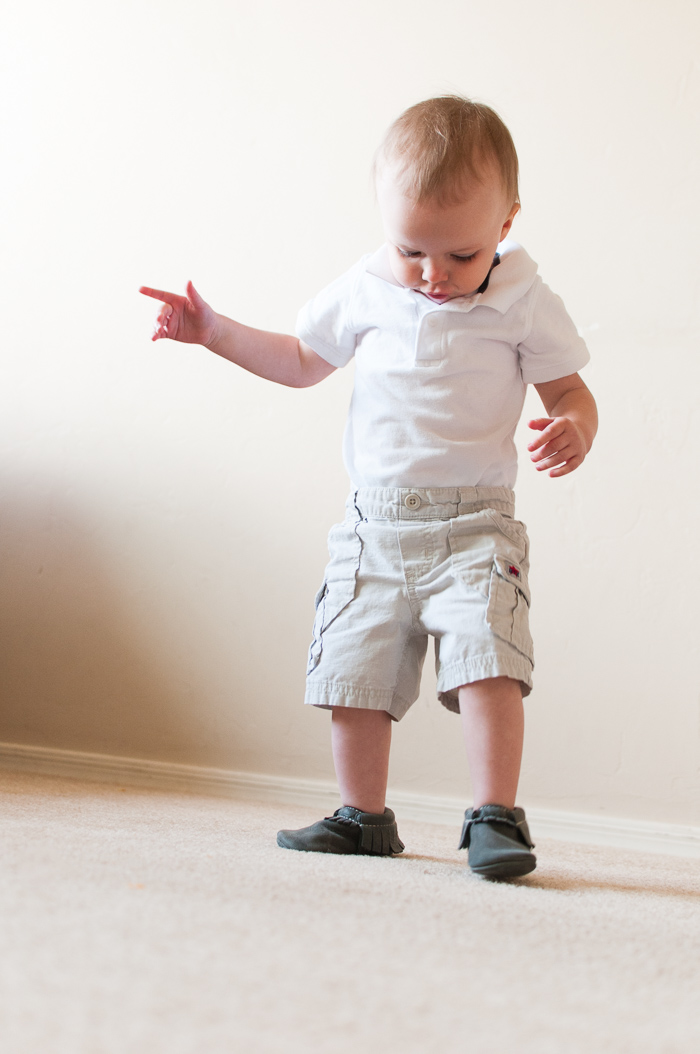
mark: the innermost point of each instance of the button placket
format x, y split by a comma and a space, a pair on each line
430, 340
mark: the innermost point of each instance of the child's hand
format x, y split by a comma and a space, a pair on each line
186, 318
561, 447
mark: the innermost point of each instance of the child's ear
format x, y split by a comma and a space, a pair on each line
509, 220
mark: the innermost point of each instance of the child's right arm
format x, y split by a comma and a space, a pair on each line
274, 356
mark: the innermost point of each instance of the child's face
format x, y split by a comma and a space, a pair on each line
444, 251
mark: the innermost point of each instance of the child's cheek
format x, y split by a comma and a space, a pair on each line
399, 269
410, 273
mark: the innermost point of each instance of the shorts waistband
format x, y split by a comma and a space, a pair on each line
431, 503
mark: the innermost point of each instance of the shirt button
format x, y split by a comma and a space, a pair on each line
412, 501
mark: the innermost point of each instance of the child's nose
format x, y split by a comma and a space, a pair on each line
433, 271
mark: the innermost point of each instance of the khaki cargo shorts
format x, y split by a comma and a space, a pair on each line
406, 565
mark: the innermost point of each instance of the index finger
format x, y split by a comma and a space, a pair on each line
159, 294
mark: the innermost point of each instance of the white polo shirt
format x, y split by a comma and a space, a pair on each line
439, 388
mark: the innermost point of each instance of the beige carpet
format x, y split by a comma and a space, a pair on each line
135, 921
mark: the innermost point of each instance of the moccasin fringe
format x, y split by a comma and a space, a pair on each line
379, 834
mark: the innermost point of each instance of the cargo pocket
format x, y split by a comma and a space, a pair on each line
473, 541
509, 604
339, 583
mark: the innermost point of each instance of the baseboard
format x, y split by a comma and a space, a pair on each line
669, 839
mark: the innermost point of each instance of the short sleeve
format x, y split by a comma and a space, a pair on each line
325, 323
552, 347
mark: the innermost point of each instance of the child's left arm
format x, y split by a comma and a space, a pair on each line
567, 434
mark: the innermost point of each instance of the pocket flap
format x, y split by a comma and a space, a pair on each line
513, 572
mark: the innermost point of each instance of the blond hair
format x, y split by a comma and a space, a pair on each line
437, 147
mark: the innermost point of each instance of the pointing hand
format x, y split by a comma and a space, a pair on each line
185, 318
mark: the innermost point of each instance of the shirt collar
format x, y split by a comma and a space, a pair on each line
507, 283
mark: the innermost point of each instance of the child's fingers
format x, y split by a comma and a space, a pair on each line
550, 446
558, 462
161, 326
557, 450
569, 466
551, 463
548, 435
561, 450
157, 294
540, 423
160, 330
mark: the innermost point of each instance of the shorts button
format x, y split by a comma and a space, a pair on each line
412, 501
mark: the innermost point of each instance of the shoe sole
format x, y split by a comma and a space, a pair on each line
507, 869
299, 847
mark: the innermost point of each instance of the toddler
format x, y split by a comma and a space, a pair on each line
448, 323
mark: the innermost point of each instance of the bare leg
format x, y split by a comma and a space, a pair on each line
361, 741
493, 726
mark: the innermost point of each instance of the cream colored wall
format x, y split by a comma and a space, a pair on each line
163, 515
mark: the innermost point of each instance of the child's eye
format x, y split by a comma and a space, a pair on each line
464, 258
409, 252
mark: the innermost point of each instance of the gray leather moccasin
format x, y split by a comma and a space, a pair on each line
499, 843
348, 830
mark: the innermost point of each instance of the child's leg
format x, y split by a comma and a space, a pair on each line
361, 740
493, 725
495, 831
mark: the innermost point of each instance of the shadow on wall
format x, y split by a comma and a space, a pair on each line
78, 667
